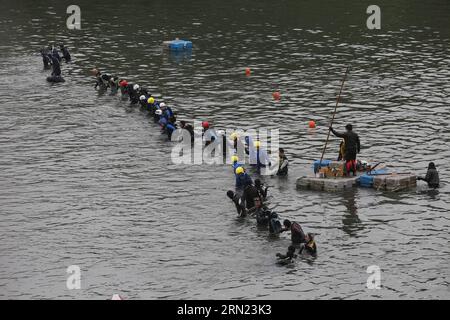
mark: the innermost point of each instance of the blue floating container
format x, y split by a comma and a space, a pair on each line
366, 180
179, 45
325, 163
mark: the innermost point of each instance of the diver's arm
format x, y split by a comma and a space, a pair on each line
252, 211
282, 256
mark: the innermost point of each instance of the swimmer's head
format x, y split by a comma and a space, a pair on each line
287, 223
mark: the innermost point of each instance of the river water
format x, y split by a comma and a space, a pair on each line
86, 180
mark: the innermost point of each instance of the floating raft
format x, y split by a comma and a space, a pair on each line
178, 45
377, 179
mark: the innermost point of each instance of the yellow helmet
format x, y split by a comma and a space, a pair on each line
234, 135
257, 144
239, 170
234, 159
151, 100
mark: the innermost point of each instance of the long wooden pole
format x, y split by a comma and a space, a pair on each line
334, 114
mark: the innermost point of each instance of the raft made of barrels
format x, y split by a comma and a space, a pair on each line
328, 177
386, 182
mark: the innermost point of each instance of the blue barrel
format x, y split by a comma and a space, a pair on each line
366, 180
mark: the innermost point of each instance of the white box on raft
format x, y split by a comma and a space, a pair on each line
327, 184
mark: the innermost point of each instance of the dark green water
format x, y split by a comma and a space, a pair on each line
85, 180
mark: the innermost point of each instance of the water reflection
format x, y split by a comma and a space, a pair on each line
351, 223
179, 57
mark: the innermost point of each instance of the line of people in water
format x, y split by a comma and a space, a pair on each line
167, 119
250, 196
250, 200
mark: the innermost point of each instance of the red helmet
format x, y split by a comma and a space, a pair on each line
123, 83
205, 124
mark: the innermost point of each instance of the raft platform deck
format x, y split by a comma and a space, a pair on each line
387, 182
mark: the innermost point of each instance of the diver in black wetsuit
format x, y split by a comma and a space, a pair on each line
55, 65
47, 61
65, 52
98, 79
262, 189
432, 176
249, 196
237, 202
56, 55
133, 92
106, 79
262, 214
189, 128
283, 163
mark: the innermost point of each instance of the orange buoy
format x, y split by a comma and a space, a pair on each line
276, 95
247, 71
312, 124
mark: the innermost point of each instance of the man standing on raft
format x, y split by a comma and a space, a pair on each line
352, 147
